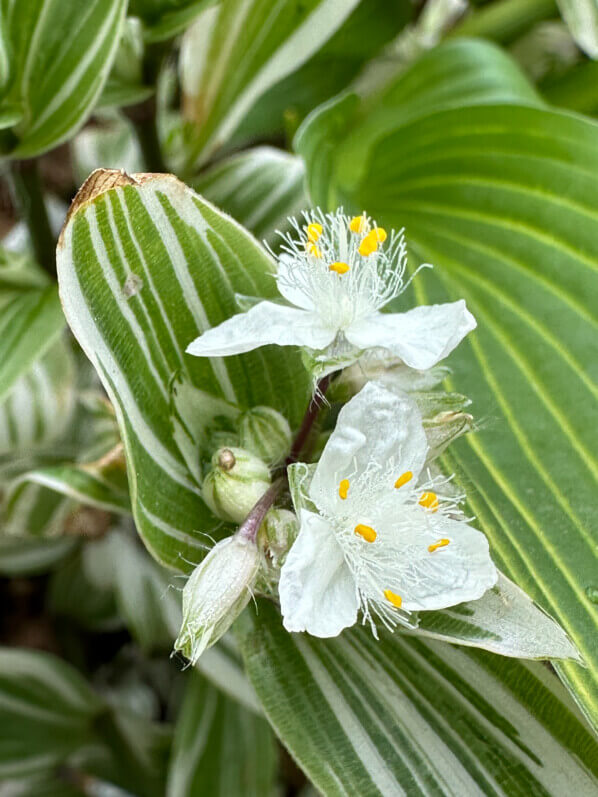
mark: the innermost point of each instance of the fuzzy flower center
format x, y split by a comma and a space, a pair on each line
345, 268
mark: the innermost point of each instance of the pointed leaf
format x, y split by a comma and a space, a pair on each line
145, 267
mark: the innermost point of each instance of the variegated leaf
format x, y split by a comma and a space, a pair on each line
144, 266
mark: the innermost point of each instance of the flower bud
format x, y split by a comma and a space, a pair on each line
266, 433
443, 429
216, 593
234, 483
277, 533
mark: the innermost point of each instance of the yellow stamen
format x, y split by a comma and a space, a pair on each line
367, 532
369, 244
313, 249
358, 224
340, 268
440, 544
380, 234
313, 232
429, 501
393, 598
406, 477
343, 488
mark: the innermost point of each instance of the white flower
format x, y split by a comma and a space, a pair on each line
384, 538
338, 274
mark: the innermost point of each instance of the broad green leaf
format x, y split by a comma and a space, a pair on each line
163, 19
260, 188
237, 50
144, 267
402, 716
330, 70
581, 17
60, 53
219, 747
500, 197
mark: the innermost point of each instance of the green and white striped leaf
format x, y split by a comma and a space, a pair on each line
38, 407
59, 54
163, 19
27, 556
581, 17
144, 266
503, 621
219, 747
237, 50
405, 716
260, 188
501, 198
31, 318
50, 716
46, 711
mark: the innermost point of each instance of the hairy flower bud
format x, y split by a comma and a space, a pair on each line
443, 429
277, 533
235, 482
216, 593
266, 433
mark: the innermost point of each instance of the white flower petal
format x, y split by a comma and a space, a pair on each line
420, 337
289, 286
317, 590
458, 572
375, 426
265, 323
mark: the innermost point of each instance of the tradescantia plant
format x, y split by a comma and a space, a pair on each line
296, 441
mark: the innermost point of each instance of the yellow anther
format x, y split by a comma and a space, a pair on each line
367, 532
369, 244
393, 598
313, 249
403, 479
429, 501
358, 224
380, 234
343, 488
439, 544
313, 232
340, 268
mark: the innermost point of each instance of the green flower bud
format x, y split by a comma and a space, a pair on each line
216, 593
443, 429
266, 433
235, 482
277, 533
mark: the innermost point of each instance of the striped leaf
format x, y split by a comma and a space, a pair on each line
219, 748
50, 716
163, 19
59, 54
26, 556
239, 49
38, 407
581, 17
260, 188
30, 318
145, 265
402, 716
501, 197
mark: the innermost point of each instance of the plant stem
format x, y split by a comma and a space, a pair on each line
29, 200
250, 526
309, 419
